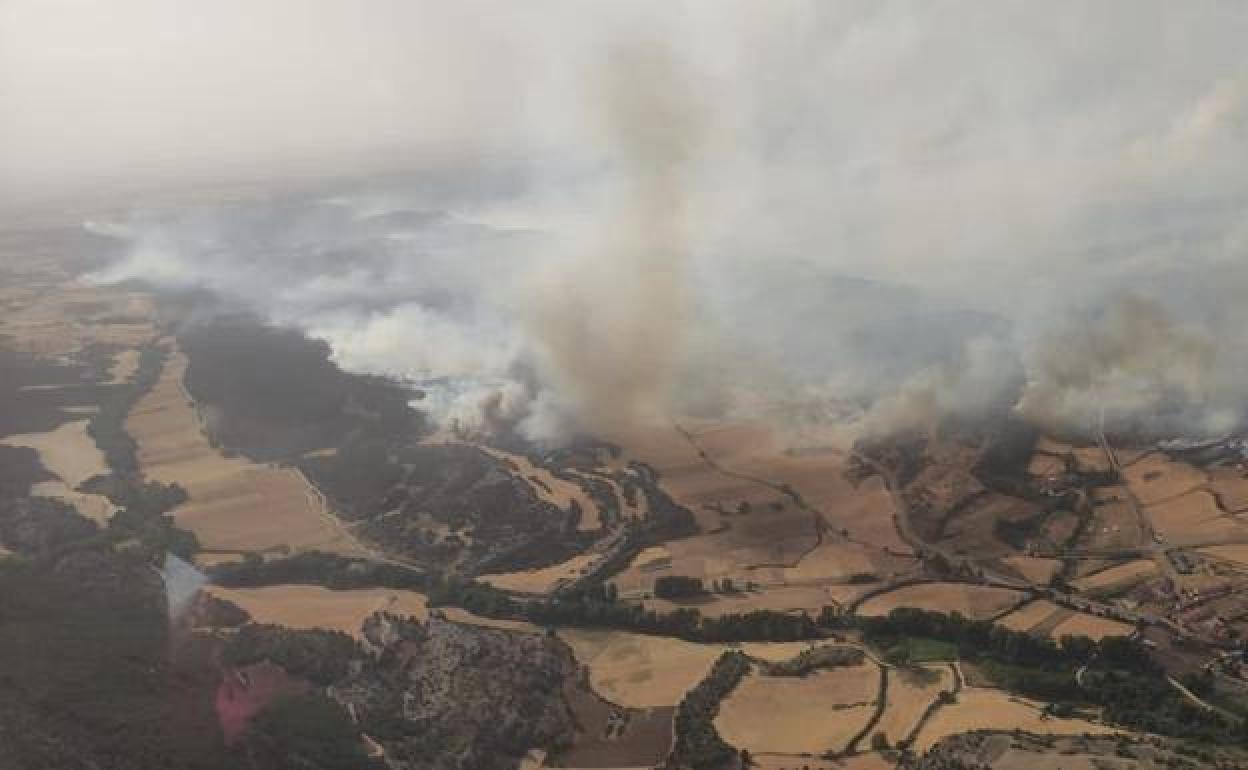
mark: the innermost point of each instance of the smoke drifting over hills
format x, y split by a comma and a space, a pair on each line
578, 217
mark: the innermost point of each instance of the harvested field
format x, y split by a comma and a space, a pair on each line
1044, 618
910, 692
1233, 553
985, 709
1231, 487
235, 504
832, 561
69, 452
792, 715
1091, 460
464, 617
541, 581
1034, 569
1045, 465
1117, 578
778, 598
308, 607
1091, 626
71, 455
1194, 516
640, 671
608, 736
753, 528
125, 366
974, 601
870, 761
1030, 615
1156, 477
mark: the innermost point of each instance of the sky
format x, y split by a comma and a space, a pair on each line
1061, 166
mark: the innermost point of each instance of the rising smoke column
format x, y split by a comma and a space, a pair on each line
609, 324
1133, 366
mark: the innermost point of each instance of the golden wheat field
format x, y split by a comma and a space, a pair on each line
816, 713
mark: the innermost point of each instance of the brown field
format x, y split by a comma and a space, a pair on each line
71, 455
1045, 618
1091, 626
973, 601
1156, 477
1194, 516
464, 617
779, 598
640, 671
910, 692
57, 323
125, 366
645, 740
1030, 615
1119, 577
1113, 525
1033, 568
771, 540
541, 581
1091, 460
235, 504
1233, 553
1044, 465
1052, 446
868, 761
816, 713
985, 709
1231, 487
307, 607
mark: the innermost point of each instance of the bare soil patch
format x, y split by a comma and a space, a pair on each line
910, 692
541, 581
311, 607
1156, 477
973, 601
235, 504
816, 713
984, 709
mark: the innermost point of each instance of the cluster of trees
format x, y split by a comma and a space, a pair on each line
698, 744
678, 587
1121, 676
297, 732
318, 568
143, 515
108, 426
281, 395
319, 656
597, 606
981, 638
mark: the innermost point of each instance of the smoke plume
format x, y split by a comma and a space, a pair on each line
609, 324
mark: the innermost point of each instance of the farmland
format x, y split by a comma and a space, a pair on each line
793, 715
235, 505
973, 601
985, 709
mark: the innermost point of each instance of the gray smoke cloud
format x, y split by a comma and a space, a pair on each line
567, 216
610, 323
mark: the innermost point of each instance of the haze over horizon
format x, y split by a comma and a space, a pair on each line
653, 195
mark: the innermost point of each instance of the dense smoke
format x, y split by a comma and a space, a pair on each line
1134, 370
610, 322
597, 215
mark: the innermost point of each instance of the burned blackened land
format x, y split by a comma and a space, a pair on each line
274, 394
448, 506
